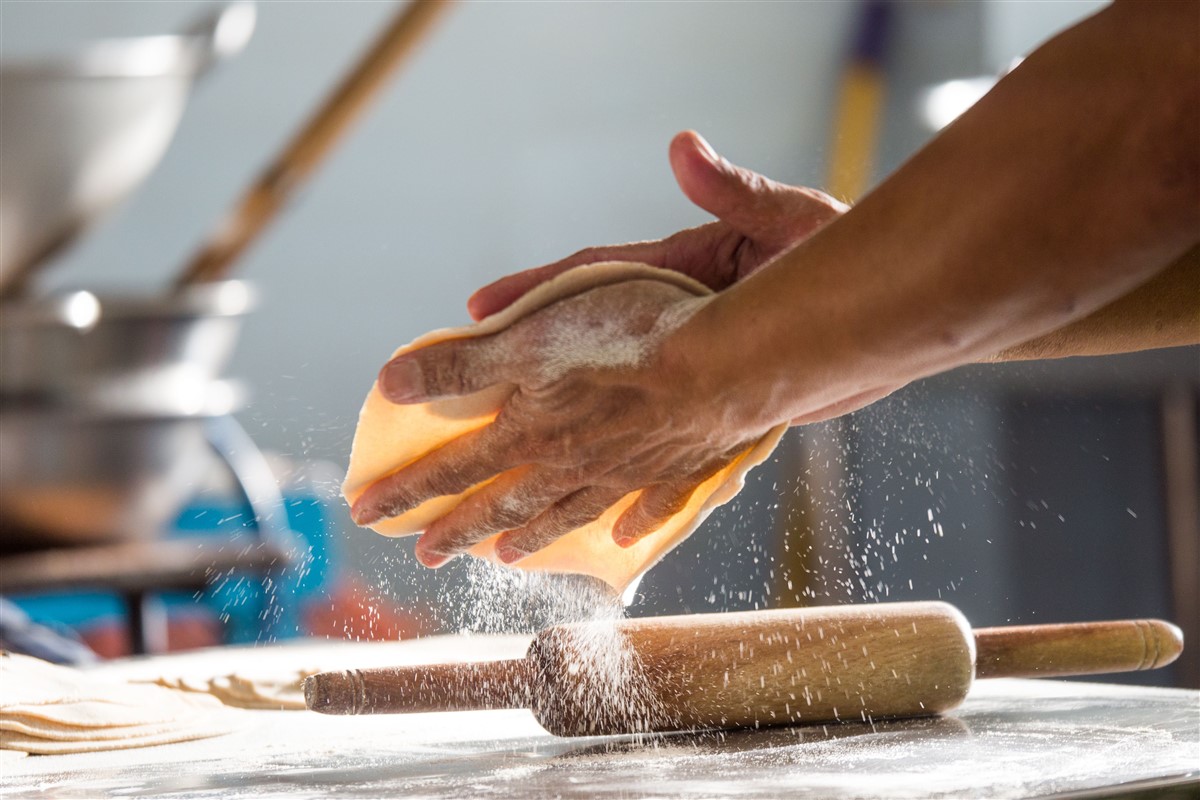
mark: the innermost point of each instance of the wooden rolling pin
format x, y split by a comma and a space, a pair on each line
750, 669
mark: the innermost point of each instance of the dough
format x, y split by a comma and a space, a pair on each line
241, 691
40, 745
391, 436
45, 708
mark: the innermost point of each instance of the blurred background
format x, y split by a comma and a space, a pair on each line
516, 134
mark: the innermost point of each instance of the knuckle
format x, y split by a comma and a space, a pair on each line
454, 368
665, 502
531, 539
754, 182
576, 474
443, 478
589, 254
449, 369
457, 540
505, 513
548, 530
453, 536
579, 513
831, 203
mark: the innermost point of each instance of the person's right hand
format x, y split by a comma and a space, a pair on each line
757, 219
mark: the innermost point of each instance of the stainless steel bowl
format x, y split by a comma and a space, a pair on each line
78, 133
99, 472
103, 403
82, 348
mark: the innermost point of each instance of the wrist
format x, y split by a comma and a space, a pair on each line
724, 357
795, 342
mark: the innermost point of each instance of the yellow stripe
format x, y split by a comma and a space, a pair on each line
855, 134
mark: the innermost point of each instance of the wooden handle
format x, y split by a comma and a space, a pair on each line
278, 182
1087, 648
433, 687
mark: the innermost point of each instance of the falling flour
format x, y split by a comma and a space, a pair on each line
495, 600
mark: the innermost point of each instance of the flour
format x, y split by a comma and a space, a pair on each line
598, 661
582, 343
585, 342
594, 683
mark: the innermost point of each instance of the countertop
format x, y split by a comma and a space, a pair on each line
1011, 738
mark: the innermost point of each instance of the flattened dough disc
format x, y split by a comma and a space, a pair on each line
391, 436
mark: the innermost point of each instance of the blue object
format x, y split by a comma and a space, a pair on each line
245, 603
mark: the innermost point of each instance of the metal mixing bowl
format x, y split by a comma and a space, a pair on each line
78, 133
83, 347
103, 402
98, 472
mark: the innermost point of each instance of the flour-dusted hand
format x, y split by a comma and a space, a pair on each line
757, 219
599, 409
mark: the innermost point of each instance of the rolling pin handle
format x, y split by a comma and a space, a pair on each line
1086, 648
433, 687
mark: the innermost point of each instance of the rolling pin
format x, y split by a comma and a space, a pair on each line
750, 669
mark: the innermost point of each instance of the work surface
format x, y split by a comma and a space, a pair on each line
1012, 738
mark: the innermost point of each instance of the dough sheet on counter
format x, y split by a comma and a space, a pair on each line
46, 709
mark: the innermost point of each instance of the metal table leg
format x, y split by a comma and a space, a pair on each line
147, 622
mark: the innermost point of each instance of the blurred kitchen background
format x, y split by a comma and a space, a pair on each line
521, 132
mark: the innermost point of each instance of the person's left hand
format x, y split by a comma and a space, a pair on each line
600, 408
757, 219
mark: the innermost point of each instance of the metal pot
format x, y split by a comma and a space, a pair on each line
83, 348
80, 132
100, 472
103, 403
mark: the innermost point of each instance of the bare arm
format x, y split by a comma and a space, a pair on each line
1072, 183
1163, 312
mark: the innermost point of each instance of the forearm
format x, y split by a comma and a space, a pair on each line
1073, 182
1163, 312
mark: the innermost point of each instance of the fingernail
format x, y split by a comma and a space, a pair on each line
706, 150
625, 541
364, 516
432, 559
402, 381
509, 554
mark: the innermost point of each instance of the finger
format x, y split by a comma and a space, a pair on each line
651, 510
451, 469
501, 294
447, 369
756, 206
565, 516
511, 501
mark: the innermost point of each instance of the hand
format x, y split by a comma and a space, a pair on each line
599, 408
757, 219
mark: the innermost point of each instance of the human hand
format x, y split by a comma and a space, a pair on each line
601, 407
757, 219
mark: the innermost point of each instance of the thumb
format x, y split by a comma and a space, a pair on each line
752, 204
447, 369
